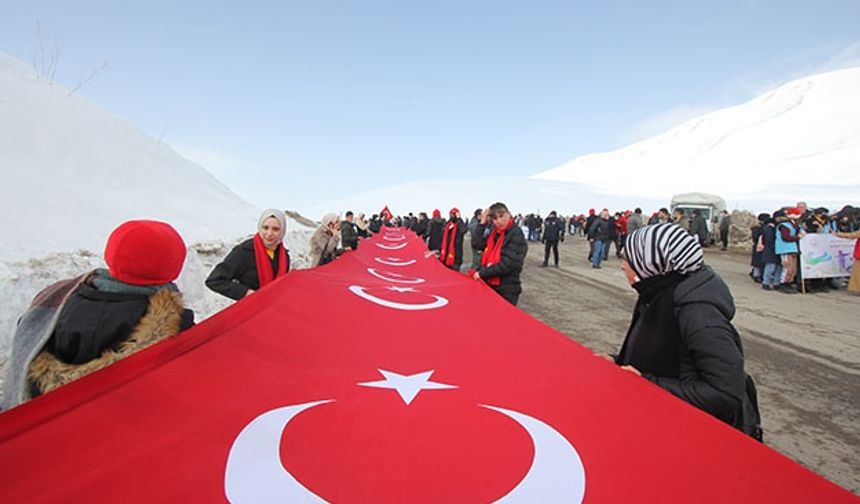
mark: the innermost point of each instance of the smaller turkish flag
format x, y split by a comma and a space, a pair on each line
386, 213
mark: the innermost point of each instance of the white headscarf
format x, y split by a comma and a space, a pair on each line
278, 215
660, 249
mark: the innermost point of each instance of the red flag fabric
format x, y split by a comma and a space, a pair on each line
386, 213
381, 377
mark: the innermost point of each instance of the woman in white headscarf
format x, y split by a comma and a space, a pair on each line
681, 336
325, 240
256, 261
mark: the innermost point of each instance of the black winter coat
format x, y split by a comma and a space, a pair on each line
699, 228
434, 233
514, 250
708, 369
348, 235
756, 261
553, 229
238, 271
92, 321
601, 229
769, 238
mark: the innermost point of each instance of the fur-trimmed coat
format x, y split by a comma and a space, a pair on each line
35, 368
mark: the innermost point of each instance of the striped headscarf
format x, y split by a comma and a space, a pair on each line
660, 249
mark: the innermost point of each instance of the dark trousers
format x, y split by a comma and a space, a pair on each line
724, 237
550, 245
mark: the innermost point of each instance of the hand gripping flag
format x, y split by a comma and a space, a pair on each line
381, 377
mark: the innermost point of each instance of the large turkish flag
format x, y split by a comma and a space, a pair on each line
381, 377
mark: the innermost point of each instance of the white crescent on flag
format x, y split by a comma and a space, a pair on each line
255, 474
395, 277
438, 301
393, 261
391, 247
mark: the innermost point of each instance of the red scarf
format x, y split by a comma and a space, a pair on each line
264, 264
493, 251
448, 254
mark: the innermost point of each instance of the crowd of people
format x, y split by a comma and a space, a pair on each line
776, 250
680, 338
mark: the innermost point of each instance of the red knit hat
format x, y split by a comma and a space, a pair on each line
145, 252
437, 213
453, 211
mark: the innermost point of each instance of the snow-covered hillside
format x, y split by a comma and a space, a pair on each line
71, 172
801, 140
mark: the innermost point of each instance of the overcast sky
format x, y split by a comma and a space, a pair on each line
293, 102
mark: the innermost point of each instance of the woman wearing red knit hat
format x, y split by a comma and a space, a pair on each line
80, 325
256, 261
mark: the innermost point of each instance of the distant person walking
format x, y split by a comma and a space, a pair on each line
725, 225
598, 235
553, 232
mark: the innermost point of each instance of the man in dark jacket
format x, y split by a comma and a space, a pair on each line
375, 224
348, 232
434, 231
553, 231
505, 250
422, 225
592, 216
699, 228
598, 235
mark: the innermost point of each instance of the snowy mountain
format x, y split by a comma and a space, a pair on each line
72, 172
799, 141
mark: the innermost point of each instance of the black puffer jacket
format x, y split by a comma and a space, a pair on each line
710, 363
553, 229
434, 233
238, 271
92, 321
514, 250
601, 229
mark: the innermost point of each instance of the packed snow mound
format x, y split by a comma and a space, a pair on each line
804, 133
72, 172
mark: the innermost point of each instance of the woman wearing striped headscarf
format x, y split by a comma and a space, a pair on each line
681, 336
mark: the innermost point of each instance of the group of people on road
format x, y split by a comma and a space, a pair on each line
681, 337
776, 246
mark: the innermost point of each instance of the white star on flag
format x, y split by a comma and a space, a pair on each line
408, 386
401, 289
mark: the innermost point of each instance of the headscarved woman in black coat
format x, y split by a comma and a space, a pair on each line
681, 336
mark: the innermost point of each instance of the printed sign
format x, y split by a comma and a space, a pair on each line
826, 256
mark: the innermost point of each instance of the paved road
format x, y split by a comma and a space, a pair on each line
803, 350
